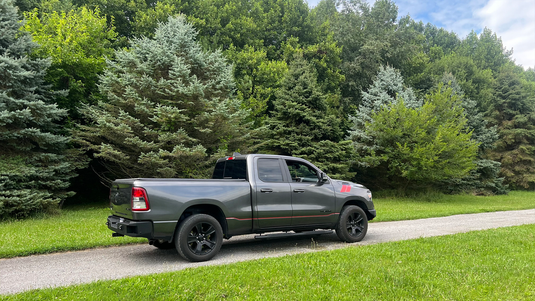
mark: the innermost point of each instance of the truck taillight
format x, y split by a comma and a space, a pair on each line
140, 202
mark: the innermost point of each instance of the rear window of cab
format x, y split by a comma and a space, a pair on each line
230, 169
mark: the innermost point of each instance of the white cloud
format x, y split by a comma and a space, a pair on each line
456, 16
514, 22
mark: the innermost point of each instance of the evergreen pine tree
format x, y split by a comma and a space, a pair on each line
301, 126
34, 170
514, 114
169, 108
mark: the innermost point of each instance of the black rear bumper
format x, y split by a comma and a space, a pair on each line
129, 227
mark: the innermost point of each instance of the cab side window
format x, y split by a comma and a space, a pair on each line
269, 170
301, 172
230, 169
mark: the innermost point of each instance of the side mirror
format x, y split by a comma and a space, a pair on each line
322, 177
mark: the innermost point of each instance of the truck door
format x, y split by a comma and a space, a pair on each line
313, 203
273, 196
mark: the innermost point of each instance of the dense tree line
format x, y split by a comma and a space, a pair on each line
162, 88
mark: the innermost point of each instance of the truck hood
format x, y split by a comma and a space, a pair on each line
357, 185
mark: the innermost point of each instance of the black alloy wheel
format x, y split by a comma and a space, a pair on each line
199, 238
353, 224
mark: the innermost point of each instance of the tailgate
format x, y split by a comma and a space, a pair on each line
120, 198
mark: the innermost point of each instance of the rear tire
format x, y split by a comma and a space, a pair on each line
199, 238
353, 224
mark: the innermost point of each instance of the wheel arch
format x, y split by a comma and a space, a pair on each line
208, 209
360, 203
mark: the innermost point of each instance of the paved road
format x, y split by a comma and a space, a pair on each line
61, 269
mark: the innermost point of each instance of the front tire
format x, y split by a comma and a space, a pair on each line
199, 238
353, 224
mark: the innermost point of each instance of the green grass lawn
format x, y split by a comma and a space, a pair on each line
84, 227
436, 205
483, 265
72, 229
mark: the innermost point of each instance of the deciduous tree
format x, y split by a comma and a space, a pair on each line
476, 83
372, 37
487, 50
401, 142
77, 41
417, 147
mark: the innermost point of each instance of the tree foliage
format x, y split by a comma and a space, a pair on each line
295, 74
437, 39
119, 14
486, 50
169, 108
77, 41
301, 126
420, 146
484, 179
513, 112
476, 83
387, 88
484, 134
257, 80
370, 38
34, 167
401, 141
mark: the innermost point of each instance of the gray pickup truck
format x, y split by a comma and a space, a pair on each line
247, 194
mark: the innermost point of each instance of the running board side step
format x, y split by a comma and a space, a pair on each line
283, 235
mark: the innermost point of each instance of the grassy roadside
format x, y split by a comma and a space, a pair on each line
437, 205
72, 229
84, 227
483, 265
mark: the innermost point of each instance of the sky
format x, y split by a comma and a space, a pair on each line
512, 20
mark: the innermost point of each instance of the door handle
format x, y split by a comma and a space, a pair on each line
266, 190
299, 190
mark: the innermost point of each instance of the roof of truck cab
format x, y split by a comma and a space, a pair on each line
243, 157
